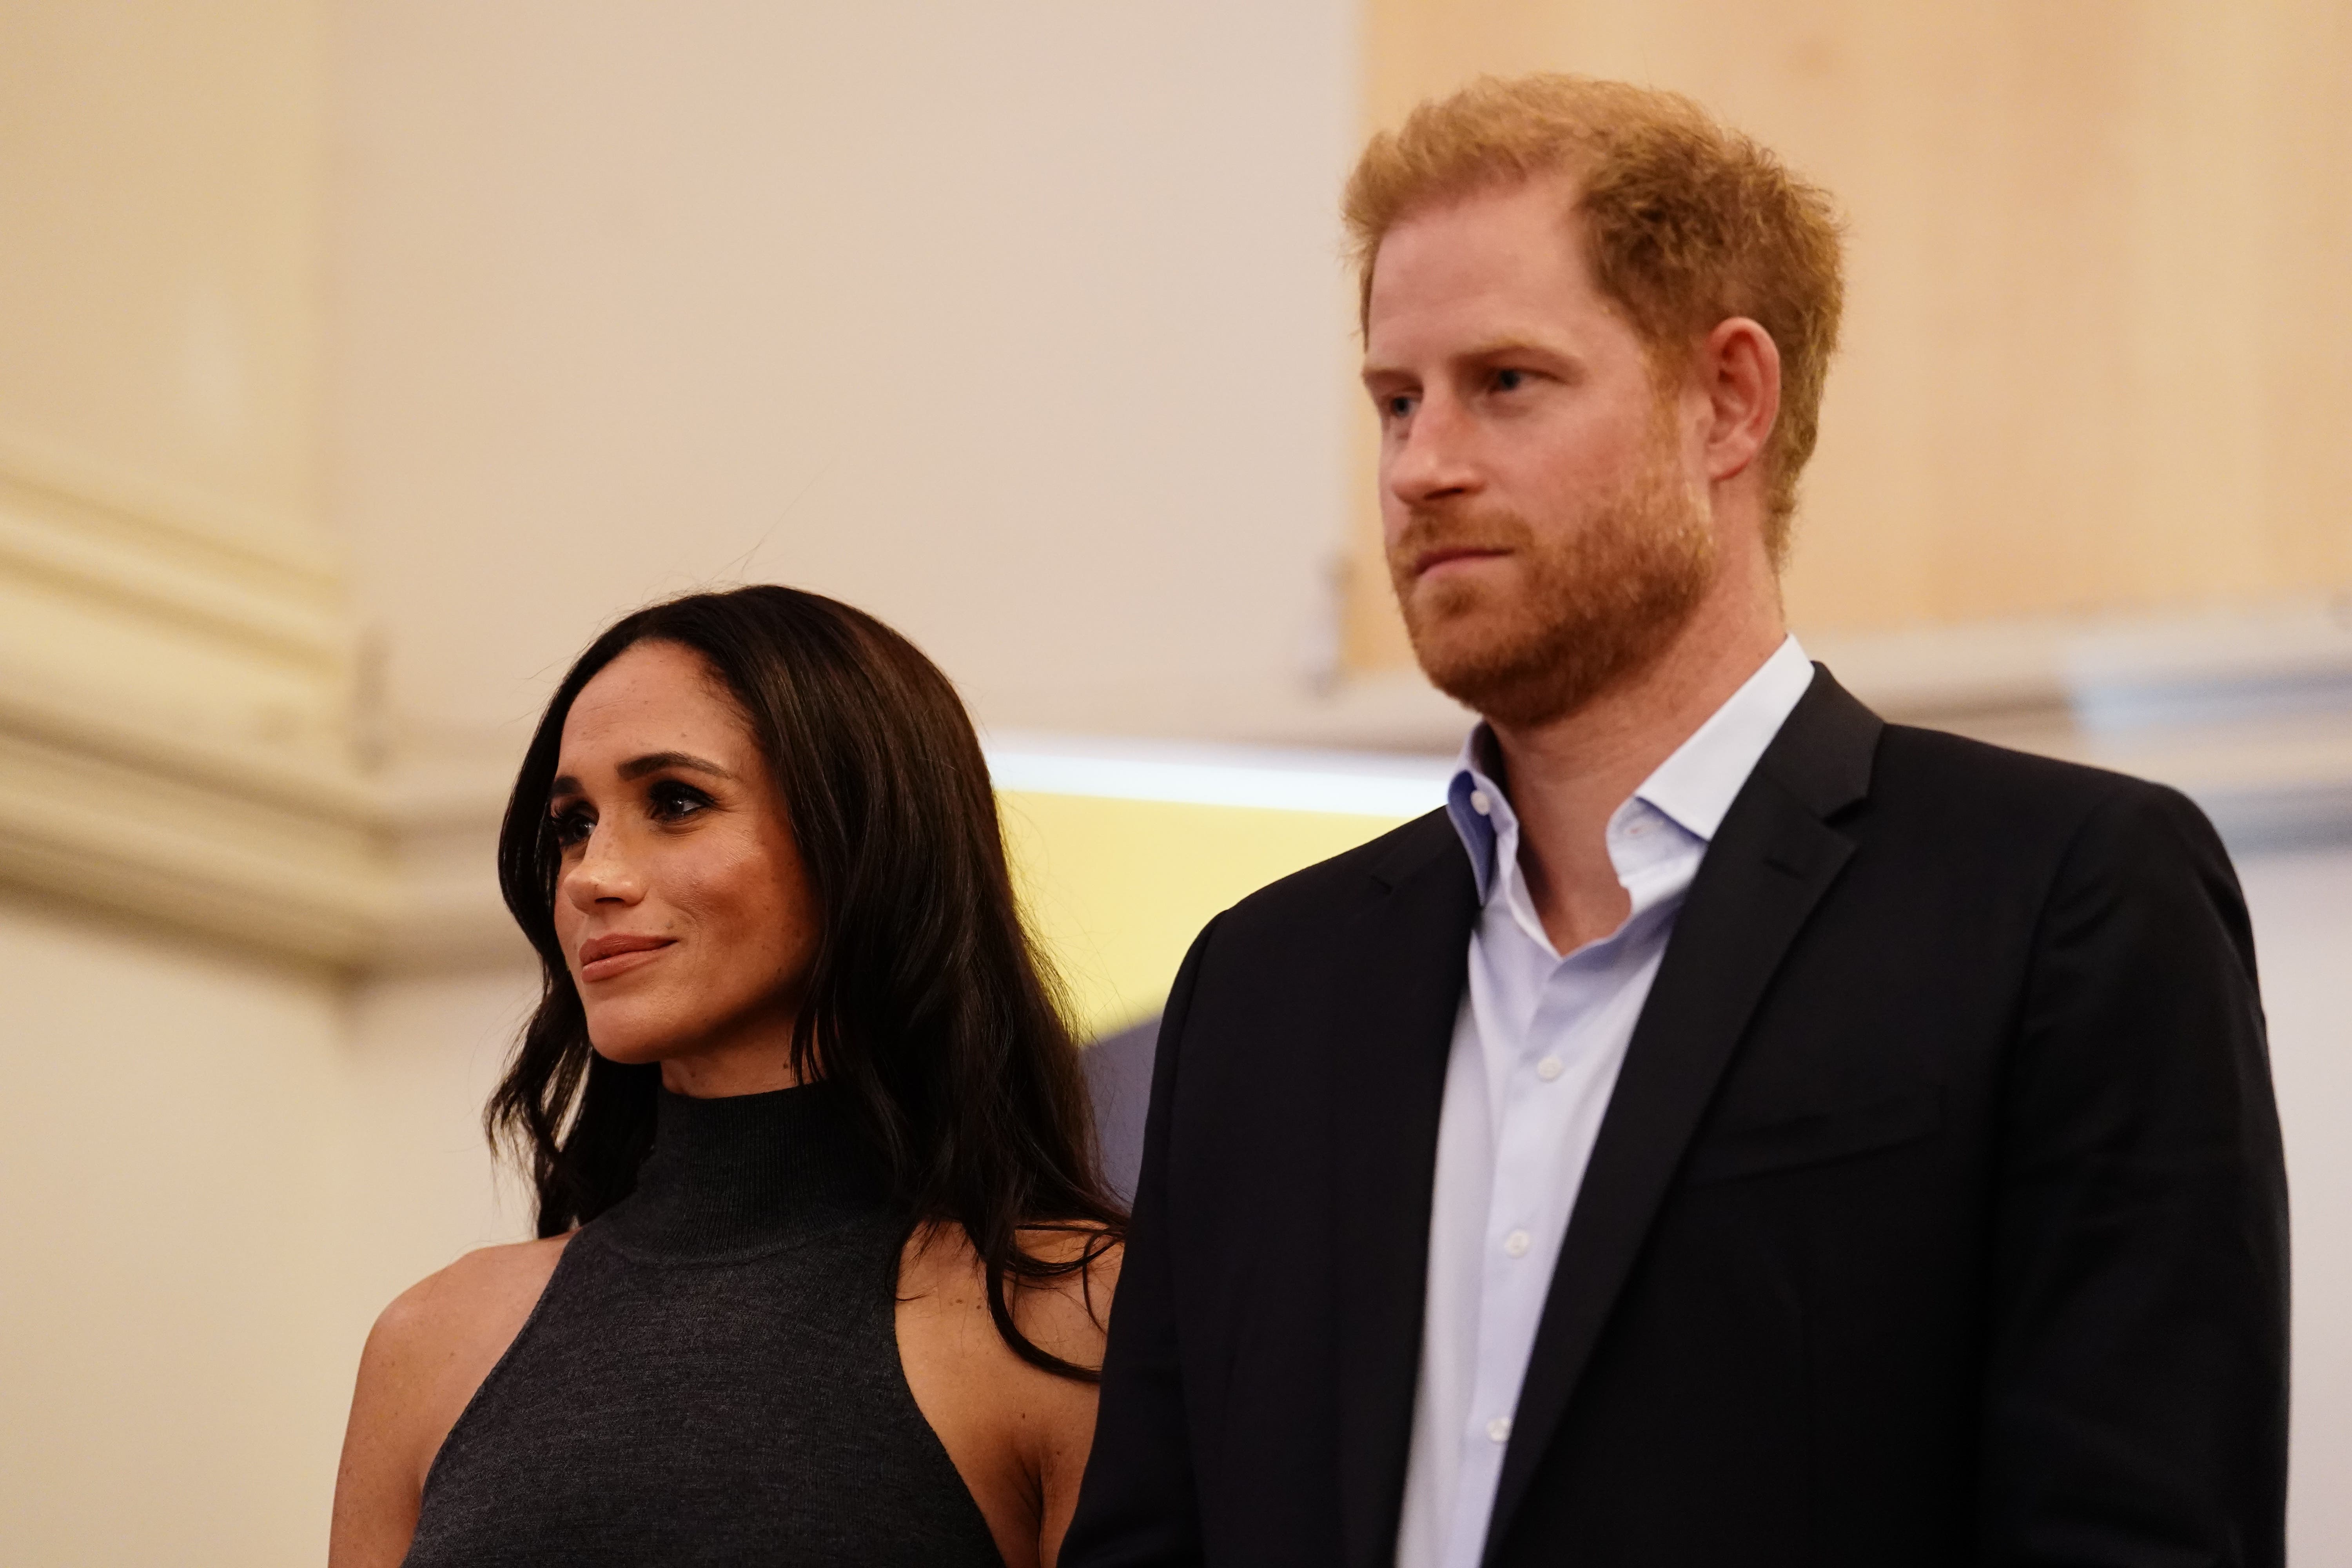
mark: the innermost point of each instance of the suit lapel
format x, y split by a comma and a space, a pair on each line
1766, 869
1407, 962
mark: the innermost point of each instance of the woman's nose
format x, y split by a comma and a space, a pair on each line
603, 874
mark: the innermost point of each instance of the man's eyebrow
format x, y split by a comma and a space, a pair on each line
655, 762
1508, 343
1496, 347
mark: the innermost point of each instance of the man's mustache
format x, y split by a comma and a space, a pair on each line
1432, 531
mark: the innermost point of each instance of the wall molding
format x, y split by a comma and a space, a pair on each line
175, 522
255, 865
181, 728
176, 735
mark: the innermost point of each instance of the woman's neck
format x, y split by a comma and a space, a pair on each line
753, 1064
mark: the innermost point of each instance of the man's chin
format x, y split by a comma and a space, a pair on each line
1481, 673
1470, 590
1522, 680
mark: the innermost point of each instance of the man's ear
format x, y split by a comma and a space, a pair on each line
1740, 368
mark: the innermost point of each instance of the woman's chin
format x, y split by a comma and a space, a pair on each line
742, 1052
631, 1043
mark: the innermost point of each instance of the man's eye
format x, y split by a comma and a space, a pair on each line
1397, 405
1510, 380
674, 802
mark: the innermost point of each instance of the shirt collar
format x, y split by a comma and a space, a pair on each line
1695, 786
1472, 800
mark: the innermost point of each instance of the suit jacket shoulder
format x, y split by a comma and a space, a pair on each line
1330, 888
2057, 822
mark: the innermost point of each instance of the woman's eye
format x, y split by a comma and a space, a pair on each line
674, 802
571, 827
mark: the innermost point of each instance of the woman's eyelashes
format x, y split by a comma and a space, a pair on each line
666, 801
571, 822
673, 800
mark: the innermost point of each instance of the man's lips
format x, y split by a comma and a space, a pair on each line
601, 958
1430, 560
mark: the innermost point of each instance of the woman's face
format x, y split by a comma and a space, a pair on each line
684, 912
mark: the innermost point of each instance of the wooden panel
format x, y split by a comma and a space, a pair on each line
2098, 255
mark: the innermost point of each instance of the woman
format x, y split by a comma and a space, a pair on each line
825, 1252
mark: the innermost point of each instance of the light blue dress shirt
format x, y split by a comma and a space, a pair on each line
1536, 1050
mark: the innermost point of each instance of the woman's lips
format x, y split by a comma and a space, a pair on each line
607, 956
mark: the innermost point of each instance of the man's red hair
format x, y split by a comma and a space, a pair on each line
1685, 223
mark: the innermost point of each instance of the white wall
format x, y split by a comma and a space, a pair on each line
2302, 906
1019, 324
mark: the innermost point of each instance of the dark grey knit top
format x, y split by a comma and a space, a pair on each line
712, 1374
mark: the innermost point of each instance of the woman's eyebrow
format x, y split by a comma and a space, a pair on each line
655, 762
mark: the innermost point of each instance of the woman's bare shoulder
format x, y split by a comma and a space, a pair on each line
431, 1349
469, 1299
1063, 1312
1017, 1433
457, 1322
427, 1353
1067, 1313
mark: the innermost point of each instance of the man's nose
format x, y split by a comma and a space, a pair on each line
1430, 461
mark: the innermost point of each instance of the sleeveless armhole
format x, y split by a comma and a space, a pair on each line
506, 1357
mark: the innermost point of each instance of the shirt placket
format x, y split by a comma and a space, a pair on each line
1551, 1061
1520, 1244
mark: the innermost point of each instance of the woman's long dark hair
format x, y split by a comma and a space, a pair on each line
927, 1002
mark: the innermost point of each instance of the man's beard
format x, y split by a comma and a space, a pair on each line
1591, 610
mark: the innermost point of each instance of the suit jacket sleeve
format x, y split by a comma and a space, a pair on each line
2136, 1382
1137, 1505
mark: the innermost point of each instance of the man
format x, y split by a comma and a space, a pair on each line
1736, 1131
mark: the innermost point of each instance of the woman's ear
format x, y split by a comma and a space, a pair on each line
1740, 367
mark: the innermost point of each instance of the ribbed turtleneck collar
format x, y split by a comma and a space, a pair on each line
747, 1173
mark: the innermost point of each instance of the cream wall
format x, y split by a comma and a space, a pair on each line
1011, 323
162, 192
175, 671
420, 1053
175, 1332
175, 1347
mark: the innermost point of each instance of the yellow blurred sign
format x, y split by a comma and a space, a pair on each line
1116, 888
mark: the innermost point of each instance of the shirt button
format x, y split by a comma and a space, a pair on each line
1499, 1429
1479, 803
1550, 1068
1516, 1244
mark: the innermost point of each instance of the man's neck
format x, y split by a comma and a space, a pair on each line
1568, 777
